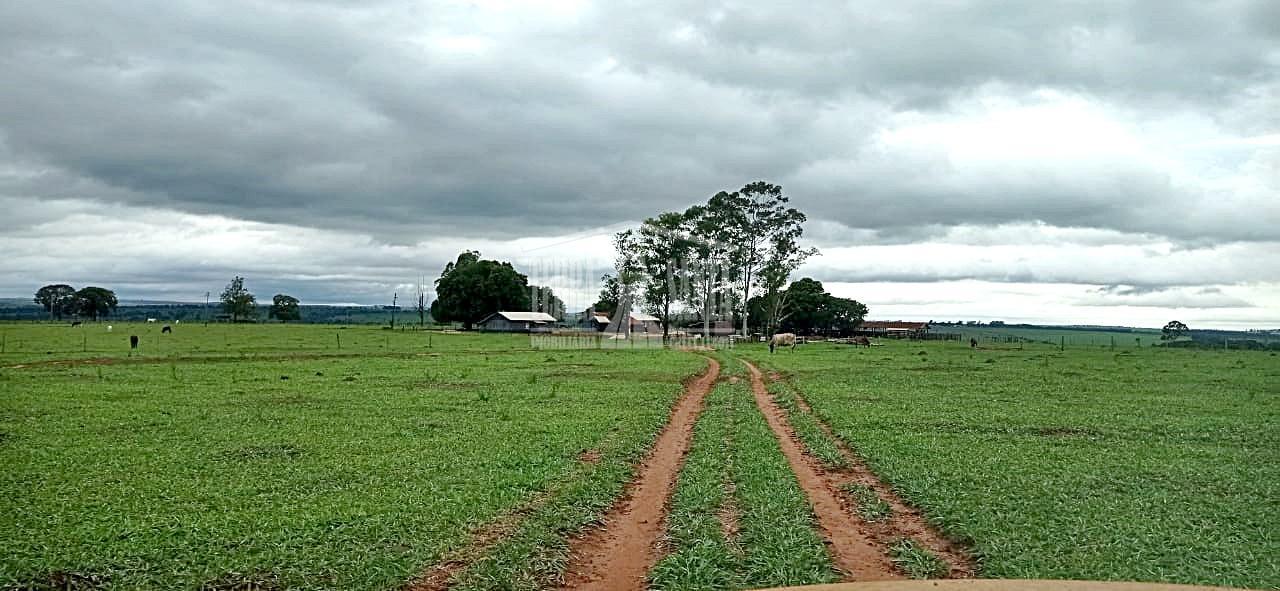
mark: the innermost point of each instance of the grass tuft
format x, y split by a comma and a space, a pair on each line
916, 560
870, 506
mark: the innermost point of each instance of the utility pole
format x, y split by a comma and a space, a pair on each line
394, 297
206, 308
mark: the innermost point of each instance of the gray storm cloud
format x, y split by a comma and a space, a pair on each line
392, 129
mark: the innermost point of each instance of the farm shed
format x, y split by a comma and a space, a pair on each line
895, 329
592, 320
517, 322
641, 323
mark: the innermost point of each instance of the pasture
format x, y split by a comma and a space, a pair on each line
1144, 464
266, 457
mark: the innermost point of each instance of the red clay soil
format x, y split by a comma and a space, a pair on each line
847, 537
618, 555
906, 521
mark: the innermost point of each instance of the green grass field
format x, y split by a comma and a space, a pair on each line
224, 457
1153, 465
290, 471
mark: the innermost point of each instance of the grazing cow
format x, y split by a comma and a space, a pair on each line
166, 329
973, 343
133, 341
76, 323
108, 328
783, 339
151, 320
862, 342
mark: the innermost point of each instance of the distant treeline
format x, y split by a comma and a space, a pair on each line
198, 313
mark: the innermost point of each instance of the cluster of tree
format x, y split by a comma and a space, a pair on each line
711, 258
241, 305
61, 300
806, 308
471, 288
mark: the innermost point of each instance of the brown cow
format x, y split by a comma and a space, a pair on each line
862, 342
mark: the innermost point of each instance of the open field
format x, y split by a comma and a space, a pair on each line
265, 457
345, 473
1155, 465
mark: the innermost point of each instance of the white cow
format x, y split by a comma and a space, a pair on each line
108, 328
783, 339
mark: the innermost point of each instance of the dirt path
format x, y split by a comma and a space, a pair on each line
618, 555
906, 520
848, 538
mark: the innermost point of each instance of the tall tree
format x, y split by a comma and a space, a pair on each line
237, 301
708, 258
284, 308
762, 230
57, 299
471, 288
662, 246
96, 302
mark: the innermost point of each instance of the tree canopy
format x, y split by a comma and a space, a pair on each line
1173, 330
471, 288
237, 301
807, 308
96, 302
57, 299
284, 308
713, 256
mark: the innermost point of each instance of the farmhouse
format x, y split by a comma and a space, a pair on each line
517, 322
641, 323
895, 329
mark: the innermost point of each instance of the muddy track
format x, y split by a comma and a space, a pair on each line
619, 554
848, 538
906, 520
440, 576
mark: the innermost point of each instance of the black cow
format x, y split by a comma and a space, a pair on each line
973, 343
166, 330
76, 323
133, 341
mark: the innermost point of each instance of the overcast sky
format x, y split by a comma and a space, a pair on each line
1098, 162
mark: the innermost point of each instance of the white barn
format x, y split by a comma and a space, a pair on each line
517, 322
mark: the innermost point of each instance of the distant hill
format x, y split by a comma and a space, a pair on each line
138, 310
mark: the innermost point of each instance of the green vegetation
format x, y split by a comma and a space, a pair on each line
1147, 464
775, 542
296, 465
870, 506
807, 427
702, 557
916, 560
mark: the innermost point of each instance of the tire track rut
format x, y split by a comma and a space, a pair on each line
851, 543
619, 555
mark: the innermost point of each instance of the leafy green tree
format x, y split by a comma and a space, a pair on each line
237, 301
57, 299
662, 246
707, 262
809, 309
284, 308
762, 232
610, 294
96, 302
1173, 330
471, 288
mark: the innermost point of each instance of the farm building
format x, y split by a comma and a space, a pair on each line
895, 329
517, 322
641, 323
592, 320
